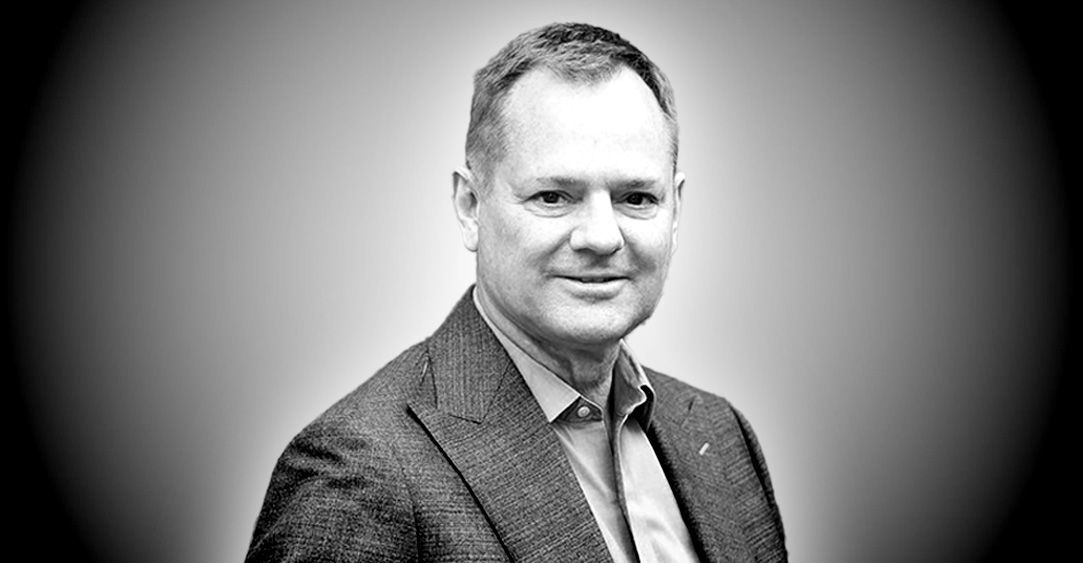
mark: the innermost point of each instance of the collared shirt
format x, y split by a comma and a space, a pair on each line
612, 459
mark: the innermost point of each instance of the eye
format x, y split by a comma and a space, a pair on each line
640, 199
550, 197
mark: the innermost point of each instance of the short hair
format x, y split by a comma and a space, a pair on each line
575, 52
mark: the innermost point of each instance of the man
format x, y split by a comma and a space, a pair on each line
523, 429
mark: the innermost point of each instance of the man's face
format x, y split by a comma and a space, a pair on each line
578, 224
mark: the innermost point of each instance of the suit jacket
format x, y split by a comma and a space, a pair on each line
444, 455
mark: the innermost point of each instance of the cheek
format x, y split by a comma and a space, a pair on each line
512, 243
497, 233
525, 238
652, 243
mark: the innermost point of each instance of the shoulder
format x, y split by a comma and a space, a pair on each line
338, 489
361, 429
382, 396
704, 408
672, 392
672, 384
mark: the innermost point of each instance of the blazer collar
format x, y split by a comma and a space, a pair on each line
480, 412
696, 459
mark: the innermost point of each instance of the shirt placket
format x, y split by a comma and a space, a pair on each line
639, 533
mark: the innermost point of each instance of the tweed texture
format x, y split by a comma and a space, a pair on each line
444, 455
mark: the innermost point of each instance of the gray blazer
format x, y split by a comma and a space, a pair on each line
444, 455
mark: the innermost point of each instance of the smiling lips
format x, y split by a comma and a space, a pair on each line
594, 279
595, 288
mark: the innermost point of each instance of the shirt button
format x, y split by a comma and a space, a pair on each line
583, 412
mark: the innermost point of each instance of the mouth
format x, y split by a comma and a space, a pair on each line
595, 288
594, 279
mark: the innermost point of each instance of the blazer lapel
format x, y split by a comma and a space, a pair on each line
480, 412
697, 469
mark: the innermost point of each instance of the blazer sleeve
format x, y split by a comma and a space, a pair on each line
759, 463
335, 495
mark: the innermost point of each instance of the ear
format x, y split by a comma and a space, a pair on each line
678, 188
465, 199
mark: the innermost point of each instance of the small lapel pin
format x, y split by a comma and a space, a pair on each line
703, 448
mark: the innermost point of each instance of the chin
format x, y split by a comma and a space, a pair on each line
602, 332
591, 325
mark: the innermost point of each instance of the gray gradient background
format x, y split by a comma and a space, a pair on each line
238, 213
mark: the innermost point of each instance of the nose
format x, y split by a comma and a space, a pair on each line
596, 229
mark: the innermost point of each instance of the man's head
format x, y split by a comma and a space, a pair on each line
574, 218
576, 52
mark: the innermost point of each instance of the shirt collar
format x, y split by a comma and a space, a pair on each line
632, 393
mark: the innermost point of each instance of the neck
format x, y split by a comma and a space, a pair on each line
587, 369
589, 372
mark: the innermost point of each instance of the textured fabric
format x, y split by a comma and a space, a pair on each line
611, 457
444, 455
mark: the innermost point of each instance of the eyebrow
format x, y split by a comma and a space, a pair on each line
622, 183
559, 181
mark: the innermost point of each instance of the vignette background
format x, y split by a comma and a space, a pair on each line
228, 215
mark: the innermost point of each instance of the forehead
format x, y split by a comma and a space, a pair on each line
550, 121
